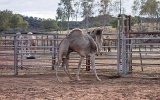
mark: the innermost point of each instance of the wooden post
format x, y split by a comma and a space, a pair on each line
129, 42
127, 26
140, 58
87, 63
53, 51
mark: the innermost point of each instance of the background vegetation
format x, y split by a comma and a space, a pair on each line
94, 14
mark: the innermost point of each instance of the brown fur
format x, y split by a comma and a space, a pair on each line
79, 42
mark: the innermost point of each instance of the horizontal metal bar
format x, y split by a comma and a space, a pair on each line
147, 44
143, 38
8, 65
143, 32
109, 34
138, 64
150, 52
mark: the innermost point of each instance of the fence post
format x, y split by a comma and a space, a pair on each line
118, 47
15, 56
129, 44
124, 69
87, 63
140, 57
53, 51
127, 28
130, 54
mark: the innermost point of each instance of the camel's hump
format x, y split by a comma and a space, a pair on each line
76, 33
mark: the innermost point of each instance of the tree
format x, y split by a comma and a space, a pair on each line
66, 9
60, 13
10, 20
150, 8
17, 21
60, 16
104, 4
87, 9
4, 19
49, 25
34, 23
76, 8
104, 9
117, 6
136, 7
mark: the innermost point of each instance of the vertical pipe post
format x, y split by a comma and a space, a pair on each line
130, 55
20, 49
126, 29
118, 47
130, 44
124, 69
15, 56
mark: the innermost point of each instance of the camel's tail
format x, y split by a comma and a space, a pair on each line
62, 53
93, 45
63, 49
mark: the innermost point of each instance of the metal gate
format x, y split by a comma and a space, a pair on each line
17, 57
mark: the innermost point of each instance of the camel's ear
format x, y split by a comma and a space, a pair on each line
93, 31
99, 31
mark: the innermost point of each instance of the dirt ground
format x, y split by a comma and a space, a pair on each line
136, 86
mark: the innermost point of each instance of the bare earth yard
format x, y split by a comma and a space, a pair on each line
136, 86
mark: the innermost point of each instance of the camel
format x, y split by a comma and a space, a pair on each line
84, 45
107, 43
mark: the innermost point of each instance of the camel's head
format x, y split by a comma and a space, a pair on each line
98, 38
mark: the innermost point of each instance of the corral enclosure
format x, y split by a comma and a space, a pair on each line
36, 79
45, 53
142, 52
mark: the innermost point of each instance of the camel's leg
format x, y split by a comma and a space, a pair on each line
66, 67
104, 49
79, 67
93, 66
109, 49
57, 66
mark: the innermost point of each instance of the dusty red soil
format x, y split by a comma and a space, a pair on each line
45, 87
36, 84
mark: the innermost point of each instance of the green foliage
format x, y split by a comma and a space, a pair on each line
5, 17
114, 23
149, 8
17, 21
67, 7
34, 23
135, 20
60, 14
8, 20
65, 10
104, 4
97, 24
87, 8
49, 25
63, 25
